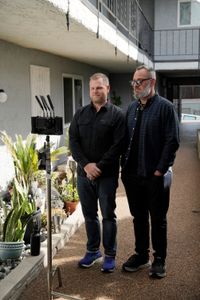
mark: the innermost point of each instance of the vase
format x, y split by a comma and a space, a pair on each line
11, 250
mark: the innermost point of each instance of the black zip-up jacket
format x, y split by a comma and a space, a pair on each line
158, 137
97, 137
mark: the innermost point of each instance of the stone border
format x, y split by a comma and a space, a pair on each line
18, 279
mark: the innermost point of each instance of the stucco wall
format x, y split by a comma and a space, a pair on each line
15, 114
165, 15
15, 80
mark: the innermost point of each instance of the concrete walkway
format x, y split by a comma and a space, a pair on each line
183, 261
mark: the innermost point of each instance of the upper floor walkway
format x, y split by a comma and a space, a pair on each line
112, 34
164, 45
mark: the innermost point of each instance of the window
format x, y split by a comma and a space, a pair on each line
73, 95
188, 13
185, 13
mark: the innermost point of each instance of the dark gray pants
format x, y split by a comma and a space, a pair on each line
149, 197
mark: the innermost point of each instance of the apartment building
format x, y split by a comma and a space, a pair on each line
54, 46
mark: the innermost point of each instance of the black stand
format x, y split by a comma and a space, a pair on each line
50, 271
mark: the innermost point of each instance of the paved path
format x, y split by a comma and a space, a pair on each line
183, 261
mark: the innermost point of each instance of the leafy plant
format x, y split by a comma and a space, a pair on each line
65, 183
24, 156
71, 193
71, 188
67, 190
63, 150
116, 99
21, 210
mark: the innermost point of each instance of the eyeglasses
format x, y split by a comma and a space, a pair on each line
138, 82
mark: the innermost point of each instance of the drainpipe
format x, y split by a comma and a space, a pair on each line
67, 17
116, 26
98, 8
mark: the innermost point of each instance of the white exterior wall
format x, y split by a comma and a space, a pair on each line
15, 64
165, 16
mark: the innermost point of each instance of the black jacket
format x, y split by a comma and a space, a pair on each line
158, 136
97, 137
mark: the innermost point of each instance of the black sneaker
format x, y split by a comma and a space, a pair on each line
135, 262
158, 269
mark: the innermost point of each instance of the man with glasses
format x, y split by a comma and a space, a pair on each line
151, 143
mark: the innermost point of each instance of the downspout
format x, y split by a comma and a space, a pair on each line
67, 16
98, 8
116, 26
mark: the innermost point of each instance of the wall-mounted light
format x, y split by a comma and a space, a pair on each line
3, 96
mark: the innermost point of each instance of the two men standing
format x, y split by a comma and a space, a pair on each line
97, 135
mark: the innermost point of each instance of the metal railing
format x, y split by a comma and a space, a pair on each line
158, 45
177, 44
129, 19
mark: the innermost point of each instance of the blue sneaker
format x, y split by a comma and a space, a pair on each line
89, 259
108, 264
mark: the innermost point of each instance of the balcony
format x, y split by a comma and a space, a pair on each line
128, 19
177, 45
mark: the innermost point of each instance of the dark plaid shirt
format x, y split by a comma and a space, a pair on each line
97, 137
158, 137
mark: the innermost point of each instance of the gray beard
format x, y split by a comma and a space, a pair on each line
145, 93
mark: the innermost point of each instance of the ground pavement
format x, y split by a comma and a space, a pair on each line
183, 261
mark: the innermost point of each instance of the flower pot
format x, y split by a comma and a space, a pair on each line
11, 250
70, 206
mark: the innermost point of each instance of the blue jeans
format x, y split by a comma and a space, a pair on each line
104, 190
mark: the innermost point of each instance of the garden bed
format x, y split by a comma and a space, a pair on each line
28, 269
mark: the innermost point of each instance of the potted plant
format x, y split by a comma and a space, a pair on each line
71, 197
16, 220
67, 190
65, 183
